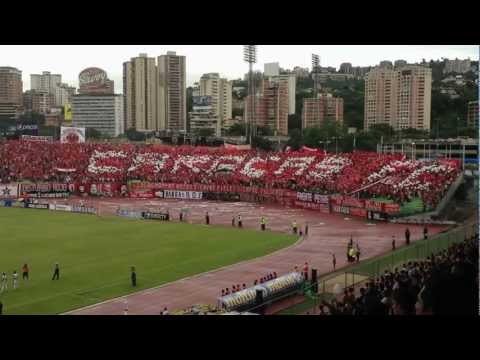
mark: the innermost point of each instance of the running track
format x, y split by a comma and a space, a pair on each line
328, 233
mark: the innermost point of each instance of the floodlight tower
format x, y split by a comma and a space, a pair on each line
315, 71
250, 56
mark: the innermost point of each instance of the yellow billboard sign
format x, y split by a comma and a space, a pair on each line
68, 112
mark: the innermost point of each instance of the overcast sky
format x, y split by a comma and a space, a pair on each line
224, 59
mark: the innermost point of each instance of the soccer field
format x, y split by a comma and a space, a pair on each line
95, 255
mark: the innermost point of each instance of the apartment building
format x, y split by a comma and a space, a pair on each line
11, 86
271, 106
39, 101
472, 114
172, 92
457, 66
318, 110
220, 90
102, 112
140, 94
399, 97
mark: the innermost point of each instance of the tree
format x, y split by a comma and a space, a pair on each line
261, 142
264, 131
205, 132
294, 122
189, 99
5, 124
134, 135
32, 118
366, 140
92, 133
382, 130
237, 112
237, 129
296, 139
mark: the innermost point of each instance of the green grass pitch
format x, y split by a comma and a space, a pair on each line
95, 255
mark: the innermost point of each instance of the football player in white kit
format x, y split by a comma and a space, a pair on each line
4, 282
15, 279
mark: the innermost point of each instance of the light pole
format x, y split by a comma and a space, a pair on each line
413, 149
315, 66
250, 56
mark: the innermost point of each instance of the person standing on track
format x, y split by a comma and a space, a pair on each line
352, 254
239, 221
263, 223
305, 271
294, 227
133, 276
207, 219
306, 229
4, 282
393, 242
357, 253
15, 279
334, 261
233, 221
56, 272
25, 272
407, 236
425, 232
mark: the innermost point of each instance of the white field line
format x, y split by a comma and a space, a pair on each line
150, 290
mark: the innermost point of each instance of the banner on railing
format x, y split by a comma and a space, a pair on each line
187, 195
358, 212
373, 215
37, 206
60, 207
130, 214
392, 209
341, 209
36, 138
45, 190
149, 215
323, 208
8, 191
353, 202
312, 197
375, 206
84, 209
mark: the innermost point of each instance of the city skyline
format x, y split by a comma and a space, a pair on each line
226, 60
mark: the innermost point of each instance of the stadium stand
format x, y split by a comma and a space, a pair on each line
370, 174
444, 284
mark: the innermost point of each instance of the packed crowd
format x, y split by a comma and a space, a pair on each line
389, 175
445, 283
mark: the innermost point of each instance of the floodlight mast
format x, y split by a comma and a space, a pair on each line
250, 56
315, 71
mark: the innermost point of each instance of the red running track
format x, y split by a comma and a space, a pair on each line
328, 233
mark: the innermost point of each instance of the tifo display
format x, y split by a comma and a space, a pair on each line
105, 169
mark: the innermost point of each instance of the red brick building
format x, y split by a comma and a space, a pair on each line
317, 111
39, 101
271, 107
